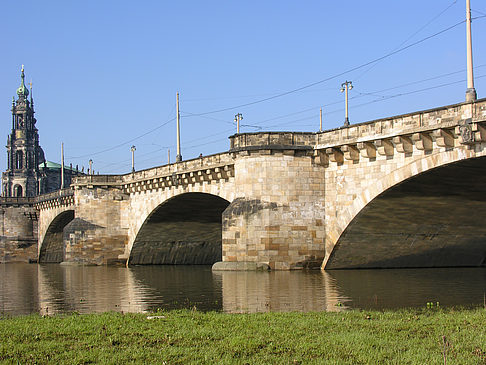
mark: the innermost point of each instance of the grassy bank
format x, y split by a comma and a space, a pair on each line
180, 337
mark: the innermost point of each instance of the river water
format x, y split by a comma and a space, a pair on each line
52, 288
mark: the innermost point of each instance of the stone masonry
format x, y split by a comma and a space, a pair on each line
291, 196
18, 240
278, 215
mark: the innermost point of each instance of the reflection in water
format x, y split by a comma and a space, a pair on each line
278, 291
18, 288
52, 288
378, 289
87, 289
178, 286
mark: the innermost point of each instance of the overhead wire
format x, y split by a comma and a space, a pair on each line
124, 143
410, 37
477, 11
382, 99
332, 77
205, 114
374, 93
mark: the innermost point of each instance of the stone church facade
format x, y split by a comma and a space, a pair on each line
28, 173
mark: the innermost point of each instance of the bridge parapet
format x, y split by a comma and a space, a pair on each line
205, 169
445, 127
62, 197
196, 171
272, 141
444, 117
17, 201
91, 181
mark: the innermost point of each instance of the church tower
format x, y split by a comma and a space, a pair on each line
21, 179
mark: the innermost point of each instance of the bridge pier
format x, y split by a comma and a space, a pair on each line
98, 233
277, 218
18, 227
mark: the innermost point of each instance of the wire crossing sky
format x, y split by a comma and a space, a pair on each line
105, 73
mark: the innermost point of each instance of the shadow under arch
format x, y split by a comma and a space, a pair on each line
433, 219
52, 247
184, 230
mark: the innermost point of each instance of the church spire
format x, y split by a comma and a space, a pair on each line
31, 95
22, 91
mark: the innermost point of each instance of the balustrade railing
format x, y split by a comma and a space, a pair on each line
66, 192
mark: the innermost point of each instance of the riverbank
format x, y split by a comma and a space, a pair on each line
426, 336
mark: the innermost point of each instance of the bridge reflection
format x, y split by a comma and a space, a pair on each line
278, 291
51, 289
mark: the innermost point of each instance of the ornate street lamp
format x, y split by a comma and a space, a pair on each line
345, 86
238, 118
133, 149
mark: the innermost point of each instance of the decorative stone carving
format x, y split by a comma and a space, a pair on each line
350, 152
384, 147
367, 149
335, 154
423, 141
466, 134
403, 144
443, 138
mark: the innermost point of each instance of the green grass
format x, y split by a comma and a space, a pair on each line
184, 337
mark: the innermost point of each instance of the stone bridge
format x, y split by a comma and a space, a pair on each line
405, 191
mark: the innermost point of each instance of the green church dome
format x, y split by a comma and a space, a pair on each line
22, 91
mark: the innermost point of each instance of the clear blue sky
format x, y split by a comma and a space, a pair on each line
107, 72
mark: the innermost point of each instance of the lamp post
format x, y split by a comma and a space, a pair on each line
320, 120
345, 86
133, 149
471, 91
238, 117
62, 165
179, 155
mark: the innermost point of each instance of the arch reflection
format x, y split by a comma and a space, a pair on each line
279, 291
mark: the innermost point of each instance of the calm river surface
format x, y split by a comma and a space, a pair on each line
48, 289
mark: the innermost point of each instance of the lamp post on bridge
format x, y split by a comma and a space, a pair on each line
133, 149
471, 91
179, 155
345, 86
320, 120
238, 118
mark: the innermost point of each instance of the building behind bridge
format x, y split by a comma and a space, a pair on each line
28, 172
28, 175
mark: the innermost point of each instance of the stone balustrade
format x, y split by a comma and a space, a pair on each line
272, 140
17, 201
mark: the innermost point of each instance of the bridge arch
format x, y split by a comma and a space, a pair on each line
183, 229
51, 249
413, 216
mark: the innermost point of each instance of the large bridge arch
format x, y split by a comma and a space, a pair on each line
144, 203
184, 229
412, 217
51, 248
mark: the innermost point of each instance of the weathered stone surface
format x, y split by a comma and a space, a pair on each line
292, 196
18, 227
